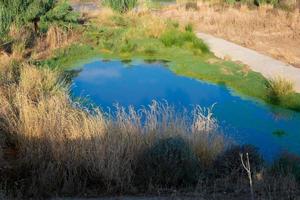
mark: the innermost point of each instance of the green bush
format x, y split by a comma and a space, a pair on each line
20, 12
189, 28
168, 163
5, 20
229, 163
175, 37
121, 6
61, 14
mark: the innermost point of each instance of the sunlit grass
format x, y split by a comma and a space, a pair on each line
279, 88
56, 146
62, 141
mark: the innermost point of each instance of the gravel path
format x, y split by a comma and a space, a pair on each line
267, 66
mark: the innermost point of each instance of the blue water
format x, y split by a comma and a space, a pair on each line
243, 119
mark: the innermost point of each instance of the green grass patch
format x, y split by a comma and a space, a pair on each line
71, 56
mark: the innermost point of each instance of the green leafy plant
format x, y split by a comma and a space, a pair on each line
38, 12
189, 28
175, 37
61, 14
5, 19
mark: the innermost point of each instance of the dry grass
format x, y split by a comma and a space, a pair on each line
56, 37
272, 31
22, 39
63, 147
279, 87
52, 145
102, 16
153, 25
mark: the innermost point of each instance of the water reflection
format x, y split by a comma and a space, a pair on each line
270, 128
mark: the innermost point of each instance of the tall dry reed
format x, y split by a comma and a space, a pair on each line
63, 147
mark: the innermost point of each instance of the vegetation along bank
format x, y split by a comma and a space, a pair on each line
51, 145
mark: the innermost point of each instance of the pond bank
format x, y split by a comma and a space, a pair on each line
125, 37
107, 83
267, 66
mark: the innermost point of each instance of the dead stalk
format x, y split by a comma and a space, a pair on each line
247, 167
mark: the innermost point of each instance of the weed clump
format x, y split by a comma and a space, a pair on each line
278, 89
189, 28
287, 164
229, 163
169, 163
174, 37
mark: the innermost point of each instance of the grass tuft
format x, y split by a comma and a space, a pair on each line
64, 148
175, 37
279, 88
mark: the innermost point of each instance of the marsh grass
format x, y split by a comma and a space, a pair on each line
53, 145
64, 148
279, 88
56, 37
174, 37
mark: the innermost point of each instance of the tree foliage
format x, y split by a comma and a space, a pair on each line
21, 12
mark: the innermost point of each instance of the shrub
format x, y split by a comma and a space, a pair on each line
121, 6
20, 12
287, 164
189, 28
61, 15
174, 37
169, 163
229, 163
279, 88
5, 20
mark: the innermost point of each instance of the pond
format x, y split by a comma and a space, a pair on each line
245, 120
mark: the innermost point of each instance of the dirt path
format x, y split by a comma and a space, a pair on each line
267, 66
